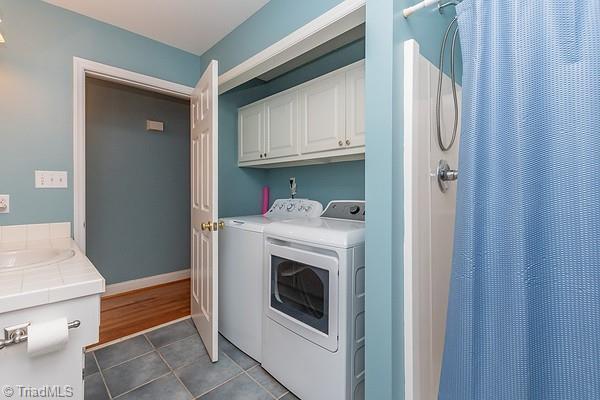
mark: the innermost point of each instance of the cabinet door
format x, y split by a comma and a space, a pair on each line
281, 126
251, 133
355, 107
322, 114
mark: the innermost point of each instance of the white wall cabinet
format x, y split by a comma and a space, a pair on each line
323, 114
355, 107
251, 132
319, 121
281, 128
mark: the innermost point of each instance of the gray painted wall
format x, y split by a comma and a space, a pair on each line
137, 198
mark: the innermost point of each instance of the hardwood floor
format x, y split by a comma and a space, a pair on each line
127, 313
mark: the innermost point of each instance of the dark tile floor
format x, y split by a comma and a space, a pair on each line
171, 363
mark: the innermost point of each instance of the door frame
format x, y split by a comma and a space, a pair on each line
83, 68
341, 18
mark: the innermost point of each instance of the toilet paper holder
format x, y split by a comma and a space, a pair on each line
18, 333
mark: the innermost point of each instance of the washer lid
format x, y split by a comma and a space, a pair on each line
320, 231
254, 223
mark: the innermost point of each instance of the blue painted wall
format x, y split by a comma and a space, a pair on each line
36, 84
319, 182
323, 183
387, 30
137, 182
381, 371
271, 23
35, 80
239, 188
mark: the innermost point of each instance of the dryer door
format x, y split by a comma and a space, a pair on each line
303, 293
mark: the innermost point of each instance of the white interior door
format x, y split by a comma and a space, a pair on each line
204, 197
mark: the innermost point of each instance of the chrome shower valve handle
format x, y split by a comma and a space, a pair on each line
445, 174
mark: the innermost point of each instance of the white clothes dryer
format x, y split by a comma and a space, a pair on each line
314, 304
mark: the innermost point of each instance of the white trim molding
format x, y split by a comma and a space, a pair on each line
411, 50
341, 18
124, 338
81, 69
128, 286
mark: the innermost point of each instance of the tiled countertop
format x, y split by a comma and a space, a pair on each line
69, 279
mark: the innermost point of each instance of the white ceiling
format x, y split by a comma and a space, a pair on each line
191, 25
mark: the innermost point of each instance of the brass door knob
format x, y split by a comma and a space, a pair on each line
221, 225
206, 226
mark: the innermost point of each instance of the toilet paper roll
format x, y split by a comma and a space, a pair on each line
47, 337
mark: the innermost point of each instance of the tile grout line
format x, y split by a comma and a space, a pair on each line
259, 384
252, 378
260, 366
102, 377
126, 361
219, 385
167, 345
156, 350
228, 380
142, 385
173, 371
136, 334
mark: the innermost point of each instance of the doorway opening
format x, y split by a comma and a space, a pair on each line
137, 152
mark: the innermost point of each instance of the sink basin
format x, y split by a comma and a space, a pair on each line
21, 259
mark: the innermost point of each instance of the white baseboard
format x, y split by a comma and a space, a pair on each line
127, 286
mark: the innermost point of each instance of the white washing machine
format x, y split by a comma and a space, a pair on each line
240, 271
314, 304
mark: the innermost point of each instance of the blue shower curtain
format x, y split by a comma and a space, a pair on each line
524, 313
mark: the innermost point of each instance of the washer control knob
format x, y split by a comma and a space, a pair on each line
291, 206
354, 210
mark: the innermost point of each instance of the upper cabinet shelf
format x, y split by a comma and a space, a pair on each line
320, 121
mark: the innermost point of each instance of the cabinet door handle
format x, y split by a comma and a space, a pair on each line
261, 156
265, 155
347, 142
341, 142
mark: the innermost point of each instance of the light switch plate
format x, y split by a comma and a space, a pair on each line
4, 204
51, 179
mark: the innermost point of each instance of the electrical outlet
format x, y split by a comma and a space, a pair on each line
51, 179
4, 204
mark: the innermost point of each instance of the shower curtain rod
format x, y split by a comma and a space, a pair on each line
428, 3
